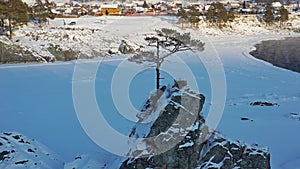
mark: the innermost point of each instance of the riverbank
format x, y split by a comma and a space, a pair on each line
283, 53
94, 37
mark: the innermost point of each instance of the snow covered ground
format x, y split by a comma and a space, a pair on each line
95, 36
91, 36
36, 100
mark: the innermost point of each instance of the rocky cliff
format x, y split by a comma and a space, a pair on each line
185, 142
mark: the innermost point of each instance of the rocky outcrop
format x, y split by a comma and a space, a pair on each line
282, 53
177, 133
17, 151
263, 103
198, 147
10, 53
219, 152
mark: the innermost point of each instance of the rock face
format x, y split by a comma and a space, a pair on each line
219, 152
169, 129
17, 151
197, 148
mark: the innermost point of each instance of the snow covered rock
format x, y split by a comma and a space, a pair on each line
263, 103
294, 116
18, 151
198, 148
12, 53
219, 152
167, 130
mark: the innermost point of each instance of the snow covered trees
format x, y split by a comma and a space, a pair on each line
166, 42
15, 12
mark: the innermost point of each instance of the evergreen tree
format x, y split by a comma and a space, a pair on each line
210, 15
15, 12
284, 15
145, 5
2, 13
217, 14
183, 17
166, 42
194, 16
268, 15
244, 4
42, 11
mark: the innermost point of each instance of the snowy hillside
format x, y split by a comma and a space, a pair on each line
17, 151
90, 37
101, 36
37, 99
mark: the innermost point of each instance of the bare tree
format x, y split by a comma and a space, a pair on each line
163, 44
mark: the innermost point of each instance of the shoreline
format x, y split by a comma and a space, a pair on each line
283, 53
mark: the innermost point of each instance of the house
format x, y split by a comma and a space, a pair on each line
276, 5
110, 9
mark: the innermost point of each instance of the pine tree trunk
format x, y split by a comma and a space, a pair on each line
157, 78
157, 66
10, 28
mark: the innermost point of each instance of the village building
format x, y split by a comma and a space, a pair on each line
110, 9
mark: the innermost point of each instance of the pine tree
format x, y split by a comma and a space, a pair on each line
284, 15
2, 13
244, 4
16, 12
166, 42
194, 16
268, 15
210, 15
222, 16
183, 17
42, 11
217, 14
145, 5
